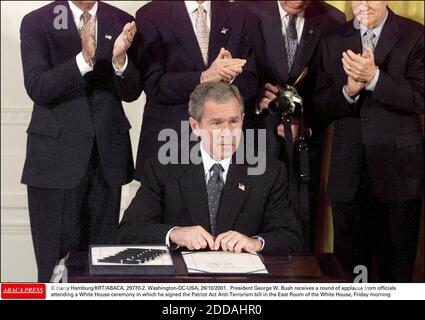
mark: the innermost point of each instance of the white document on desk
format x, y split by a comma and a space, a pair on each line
223, 262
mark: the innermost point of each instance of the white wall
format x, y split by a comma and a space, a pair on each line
17, 255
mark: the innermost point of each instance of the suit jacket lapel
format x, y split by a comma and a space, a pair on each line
107, 33
388, 38
183, 30
194, 192
275, 44
219, 33
233, 197
309, 40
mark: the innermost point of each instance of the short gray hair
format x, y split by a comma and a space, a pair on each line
216, 91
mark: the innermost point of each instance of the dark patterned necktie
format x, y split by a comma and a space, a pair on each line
291, 40
215, 187
84, 19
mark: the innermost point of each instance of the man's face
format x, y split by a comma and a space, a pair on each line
220, 128
294, 7
369, 13
84, 5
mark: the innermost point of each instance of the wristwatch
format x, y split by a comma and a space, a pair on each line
117, 64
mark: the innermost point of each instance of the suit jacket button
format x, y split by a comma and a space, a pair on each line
365, 119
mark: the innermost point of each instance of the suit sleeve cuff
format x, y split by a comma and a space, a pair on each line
257, 109
371, 85
262, 242
348, 98
83, 66
167, 239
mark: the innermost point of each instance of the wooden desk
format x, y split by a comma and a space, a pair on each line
303, 268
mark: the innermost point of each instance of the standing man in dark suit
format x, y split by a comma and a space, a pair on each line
213, 203
184, 43
281, 61
372, 85
76, 71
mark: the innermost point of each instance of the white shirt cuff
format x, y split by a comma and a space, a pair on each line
371, 85
83, 66
120, 71
257, 110
167, 238
262, 242
348, 98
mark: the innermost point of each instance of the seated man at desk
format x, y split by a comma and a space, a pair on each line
216, 202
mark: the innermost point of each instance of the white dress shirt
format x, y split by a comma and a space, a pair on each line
299, 24
83, 66
208, 162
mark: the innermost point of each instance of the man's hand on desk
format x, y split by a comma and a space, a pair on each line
193, 238
197, 238
236, 242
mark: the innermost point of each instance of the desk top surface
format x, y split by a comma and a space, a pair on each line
303, 268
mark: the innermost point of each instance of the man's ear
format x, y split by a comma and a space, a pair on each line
194, 125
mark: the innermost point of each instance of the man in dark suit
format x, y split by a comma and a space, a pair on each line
184, 43
217, 203
372, 85
308, 22
76, 71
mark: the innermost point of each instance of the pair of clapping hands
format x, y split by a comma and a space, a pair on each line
224, 68
360, 70
197, 238
121, 45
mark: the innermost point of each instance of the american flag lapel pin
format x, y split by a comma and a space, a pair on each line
241, 187
108, 36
